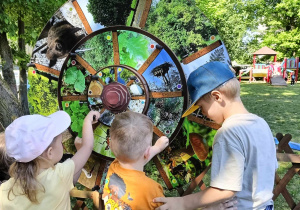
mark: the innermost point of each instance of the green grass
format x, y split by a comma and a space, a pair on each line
279, 106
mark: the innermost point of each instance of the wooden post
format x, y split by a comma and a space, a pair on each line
284, 66
285, 154
297, 69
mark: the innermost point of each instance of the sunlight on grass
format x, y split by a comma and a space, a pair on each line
276, 105
289, 94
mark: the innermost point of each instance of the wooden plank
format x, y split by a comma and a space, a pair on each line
285, 157
74, 98
165, 94
116, 52
298, 206
47, 69
101, 81
86, 65
78, 205
162, 172
201, 121
285, 180
138, 97
284, 143
202, 52
145, 13
196, 181
146, 64
116, 48
157, 131
149, 60
287, 196
202, 185
82, 17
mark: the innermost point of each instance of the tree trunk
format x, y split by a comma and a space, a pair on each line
7, 63
10, 108
22, 66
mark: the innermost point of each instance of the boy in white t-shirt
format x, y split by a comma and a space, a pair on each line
244, 154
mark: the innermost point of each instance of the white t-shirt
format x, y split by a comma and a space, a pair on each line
244, 160
57, 181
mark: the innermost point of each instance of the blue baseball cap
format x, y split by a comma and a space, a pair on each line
205, 79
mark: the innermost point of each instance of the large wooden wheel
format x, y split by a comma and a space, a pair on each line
100, 64
150, 82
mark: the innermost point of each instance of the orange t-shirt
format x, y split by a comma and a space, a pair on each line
129, 189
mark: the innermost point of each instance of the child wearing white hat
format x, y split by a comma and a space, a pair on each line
37, 180
5, 160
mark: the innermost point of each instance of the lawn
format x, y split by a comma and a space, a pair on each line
279, 106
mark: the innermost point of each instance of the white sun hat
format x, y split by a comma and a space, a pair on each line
28, 136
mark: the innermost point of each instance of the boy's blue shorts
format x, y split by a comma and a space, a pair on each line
269, 207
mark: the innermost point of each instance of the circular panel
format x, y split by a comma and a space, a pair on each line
114, 63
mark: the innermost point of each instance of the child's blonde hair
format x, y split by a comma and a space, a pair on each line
25, 175
131, 133
5, 160
231, 89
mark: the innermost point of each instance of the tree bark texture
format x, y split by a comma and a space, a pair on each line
23, 77
7, 63
10, 108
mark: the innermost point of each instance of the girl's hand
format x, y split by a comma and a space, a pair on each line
92, 116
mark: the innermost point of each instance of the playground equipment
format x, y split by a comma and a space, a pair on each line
262, 70
290, 65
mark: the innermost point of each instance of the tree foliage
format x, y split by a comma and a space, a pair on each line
247, 25
42, 94
180, 25
16, 16
282, 28
110, 13
235, 20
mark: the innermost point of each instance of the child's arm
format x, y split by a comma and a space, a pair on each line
204, 198
230, 204
78, 144
84, 152
159, 146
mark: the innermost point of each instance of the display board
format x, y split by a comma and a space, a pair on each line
141, 49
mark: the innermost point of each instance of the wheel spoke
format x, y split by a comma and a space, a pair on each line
165, 94
102, 110
94, 96
116, 52
157, 131
203, 122
74, 98
82, 17
146, 64
47, 69
138, 97
201, 52
86, 65
101, 81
